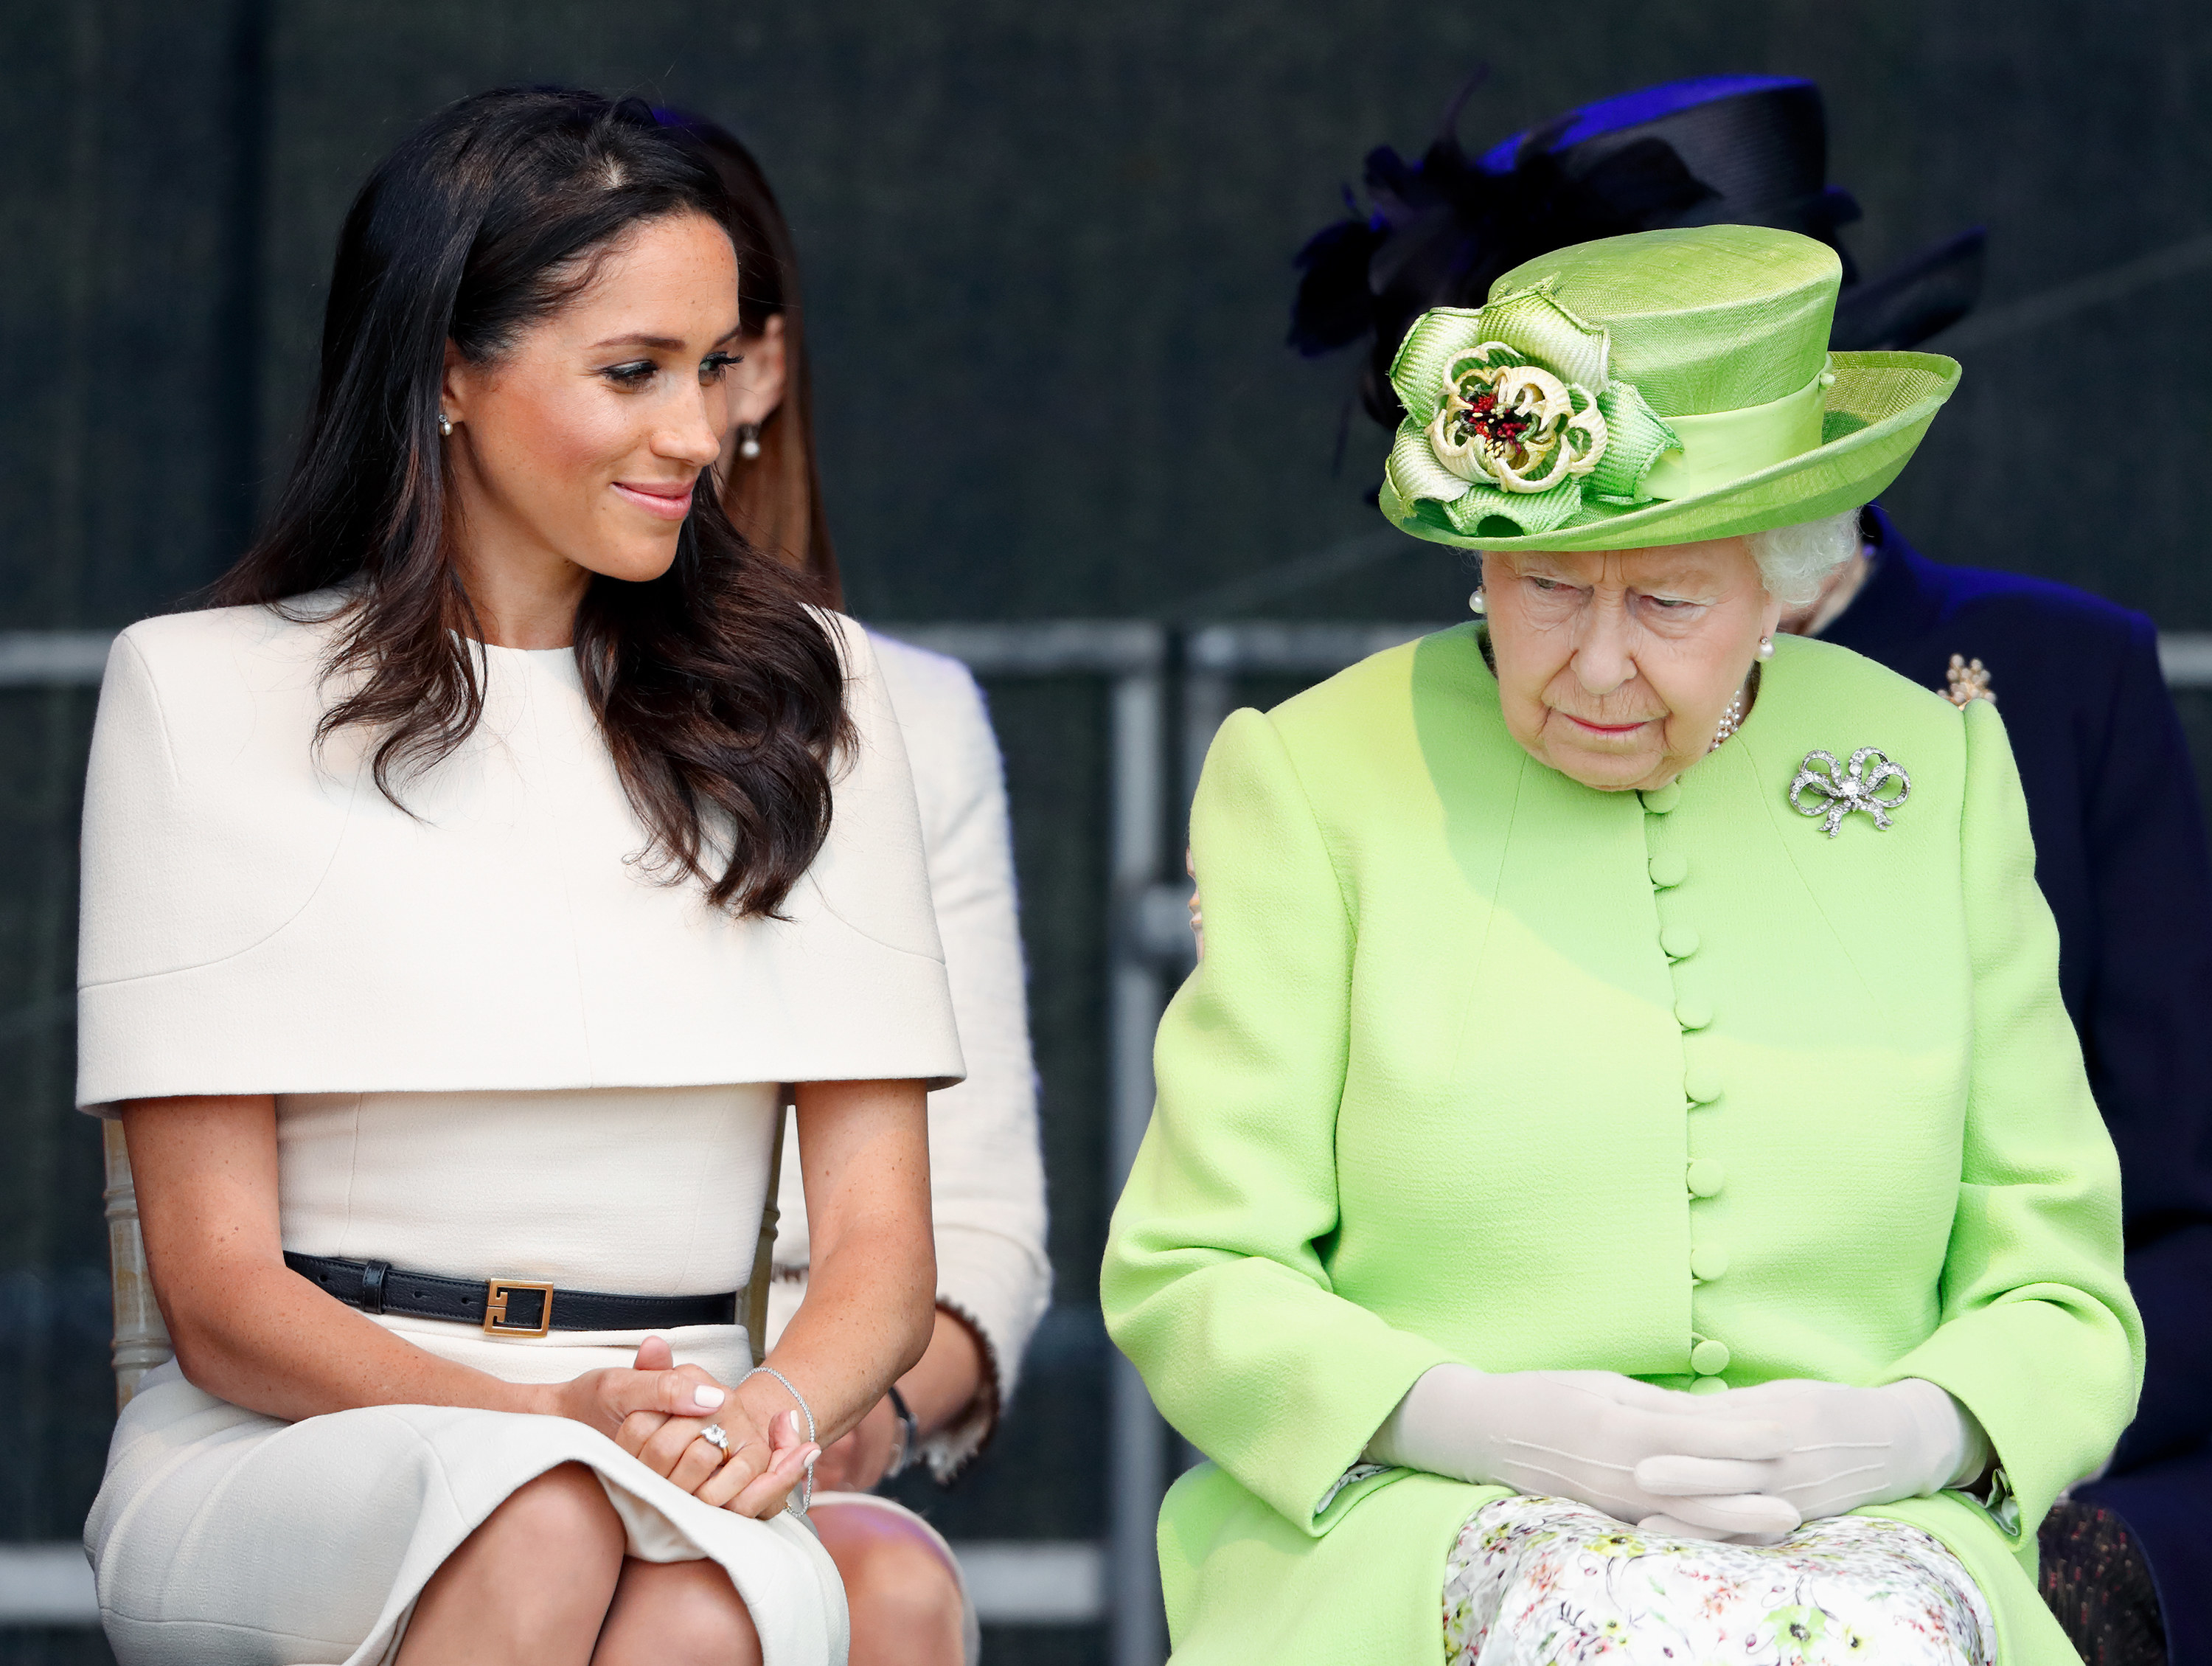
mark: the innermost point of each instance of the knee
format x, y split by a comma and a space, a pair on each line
898, 1583
564, 1522
693, 1614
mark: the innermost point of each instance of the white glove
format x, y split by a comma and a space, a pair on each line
1583, 1435
1846, 1446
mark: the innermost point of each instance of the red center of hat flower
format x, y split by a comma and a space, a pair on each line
1482, 419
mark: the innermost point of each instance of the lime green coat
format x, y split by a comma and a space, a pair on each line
1436, 1091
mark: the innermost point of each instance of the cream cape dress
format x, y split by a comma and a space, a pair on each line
500, 1048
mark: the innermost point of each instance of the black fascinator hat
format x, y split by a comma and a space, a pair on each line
1726, 149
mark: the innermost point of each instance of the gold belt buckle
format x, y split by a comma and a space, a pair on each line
496, 1290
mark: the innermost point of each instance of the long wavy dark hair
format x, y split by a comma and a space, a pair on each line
719, 693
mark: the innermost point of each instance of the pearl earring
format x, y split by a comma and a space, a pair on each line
1767, 648
1477, 605
749, 445
445, 426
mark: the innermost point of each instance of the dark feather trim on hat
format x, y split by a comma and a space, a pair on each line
1440, 231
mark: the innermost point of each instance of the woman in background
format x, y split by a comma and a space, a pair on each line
986, 1176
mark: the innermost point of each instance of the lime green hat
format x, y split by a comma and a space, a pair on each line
1663, 387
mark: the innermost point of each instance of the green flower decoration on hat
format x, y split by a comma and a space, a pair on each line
1660, 387
1513, 421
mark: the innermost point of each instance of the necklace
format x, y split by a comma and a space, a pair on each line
1731, 720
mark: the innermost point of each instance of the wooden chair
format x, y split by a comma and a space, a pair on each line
142, 1340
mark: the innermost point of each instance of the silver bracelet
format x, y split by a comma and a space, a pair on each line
807, 1482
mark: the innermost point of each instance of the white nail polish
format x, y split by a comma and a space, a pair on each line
706, 1398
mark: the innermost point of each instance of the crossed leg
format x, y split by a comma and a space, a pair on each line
543, 1581
904, 1597
676, 1614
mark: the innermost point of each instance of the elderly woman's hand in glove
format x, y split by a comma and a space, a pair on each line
1581, 1435
1846, 1447
1749, 1464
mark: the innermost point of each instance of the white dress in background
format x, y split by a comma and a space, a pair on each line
501, 1048
986, 1169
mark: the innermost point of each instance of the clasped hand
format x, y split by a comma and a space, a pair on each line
1748, 1464
655, 1410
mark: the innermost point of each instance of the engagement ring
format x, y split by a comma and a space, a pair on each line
714, 1436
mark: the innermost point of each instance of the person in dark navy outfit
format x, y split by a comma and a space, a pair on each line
2120, 855
2121, 852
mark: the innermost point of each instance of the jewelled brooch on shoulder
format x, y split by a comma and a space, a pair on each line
1846, 787
1969, 681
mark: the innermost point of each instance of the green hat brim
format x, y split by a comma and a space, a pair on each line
1874, 415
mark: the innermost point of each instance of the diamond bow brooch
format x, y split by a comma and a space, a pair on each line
1857, 786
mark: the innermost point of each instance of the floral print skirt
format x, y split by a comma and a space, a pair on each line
1546, 1582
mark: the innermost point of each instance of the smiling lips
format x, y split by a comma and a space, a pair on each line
665, 500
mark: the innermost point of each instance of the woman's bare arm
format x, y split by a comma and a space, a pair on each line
248, 1330
872, 1288
939, 1391
941, 1388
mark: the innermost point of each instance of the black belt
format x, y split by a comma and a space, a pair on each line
506, 1307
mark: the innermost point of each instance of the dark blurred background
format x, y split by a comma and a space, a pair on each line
1047, 249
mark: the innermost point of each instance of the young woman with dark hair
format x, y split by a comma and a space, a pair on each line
986, 1176
458, 892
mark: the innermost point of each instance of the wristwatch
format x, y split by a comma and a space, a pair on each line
909, 1449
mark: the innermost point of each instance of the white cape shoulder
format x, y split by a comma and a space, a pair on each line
258, 918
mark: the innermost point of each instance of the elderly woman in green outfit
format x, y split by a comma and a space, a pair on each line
1622, 1165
